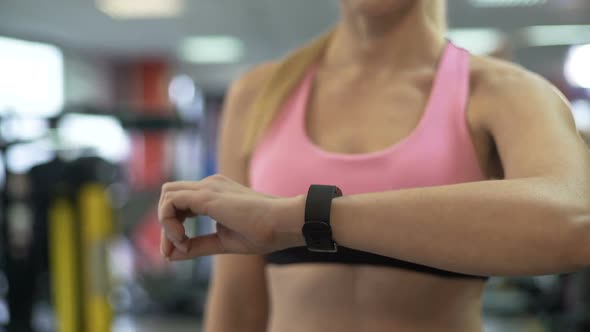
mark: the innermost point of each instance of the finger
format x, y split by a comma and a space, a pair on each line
209, 181
177, 185
172, 218
174, 231
214, 182
182, 215
166, 245
195, 201
181, 202
205, 245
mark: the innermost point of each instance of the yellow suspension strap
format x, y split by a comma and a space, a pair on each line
96, 219
64, 266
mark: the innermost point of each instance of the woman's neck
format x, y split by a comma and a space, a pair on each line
395, 41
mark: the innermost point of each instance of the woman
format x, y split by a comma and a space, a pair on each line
453, 167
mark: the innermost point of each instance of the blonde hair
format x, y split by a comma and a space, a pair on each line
290, 71
437, 12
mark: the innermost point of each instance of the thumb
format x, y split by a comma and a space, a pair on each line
204, 245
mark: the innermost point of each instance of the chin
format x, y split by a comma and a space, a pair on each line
377, 7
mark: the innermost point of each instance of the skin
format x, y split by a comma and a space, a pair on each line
531, 217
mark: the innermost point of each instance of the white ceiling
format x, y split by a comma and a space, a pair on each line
267, 27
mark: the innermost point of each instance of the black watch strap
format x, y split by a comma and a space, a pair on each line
316, 229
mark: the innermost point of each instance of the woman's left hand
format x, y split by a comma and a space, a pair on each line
248, 222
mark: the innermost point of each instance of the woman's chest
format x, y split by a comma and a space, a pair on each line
357, 117
284, 170
368, 141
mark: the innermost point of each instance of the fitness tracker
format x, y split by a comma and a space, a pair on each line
316, 229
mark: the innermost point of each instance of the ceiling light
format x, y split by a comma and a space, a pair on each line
211, 49
506, 3
479, 41
181, 90
187, 97
554, 35
128, 9
577, 66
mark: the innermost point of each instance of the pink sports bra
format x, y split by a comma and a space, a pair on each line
439, 151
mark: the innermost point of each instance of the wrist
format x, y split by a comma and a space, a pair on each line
336, 218
343, 210
288, 222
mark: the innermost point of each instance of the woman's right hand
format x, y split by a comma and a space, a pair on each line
248, 222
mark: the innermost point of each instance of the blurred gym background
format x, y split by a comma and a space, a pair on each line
102, 101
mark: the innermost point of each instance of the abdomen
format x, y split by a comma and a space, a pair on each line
329, 297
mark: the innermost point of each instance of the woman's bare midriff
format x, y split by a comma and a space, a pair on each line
328, 297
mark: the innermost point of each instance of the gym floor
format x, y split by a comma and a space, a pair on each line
156, 324
182, 324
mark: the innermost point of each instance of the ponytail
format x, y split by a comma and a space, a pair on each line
287, 74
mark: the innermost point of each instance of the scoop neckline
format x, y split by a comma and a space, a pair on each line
308, 85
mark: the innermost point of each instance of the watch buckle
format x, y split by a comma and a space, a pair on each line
332, 250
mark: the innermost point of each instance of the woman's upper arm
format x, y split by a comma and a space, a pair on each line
532, 127
534, 131
237, 295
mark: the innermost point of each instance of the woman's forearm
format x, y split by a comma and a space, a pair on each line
503, 227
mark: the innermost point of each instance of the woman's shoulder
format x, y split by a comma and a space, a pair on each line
495, 77
497, 85
248, 85
242, 91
